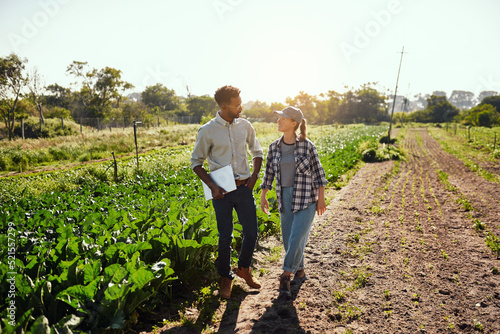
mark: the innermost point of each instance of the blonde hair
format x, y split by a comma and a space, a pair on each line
303, 129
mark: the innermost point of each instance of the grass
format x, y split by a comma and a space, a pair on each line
477, 151
274, 255
63, 151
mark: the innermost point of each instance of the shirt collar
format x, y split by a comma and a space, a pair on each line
281, 141
223, 122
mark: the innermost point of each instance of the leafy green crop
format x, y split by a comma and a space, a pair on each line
88, 257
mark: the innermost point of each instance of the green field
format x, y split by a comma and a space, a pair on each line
88, 252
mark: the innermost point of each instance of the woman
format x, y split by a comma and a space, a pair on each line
300, 188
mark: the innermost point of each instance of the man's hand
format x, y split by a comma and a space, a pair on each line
251, 181
217, 192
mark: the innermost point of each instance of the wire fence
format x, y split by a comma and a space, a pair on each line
101, 124
87, 124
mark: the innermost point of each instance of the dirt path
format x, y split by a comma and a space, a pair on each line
394, 253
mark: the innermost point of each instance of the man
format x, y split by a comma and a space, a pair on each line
222, 141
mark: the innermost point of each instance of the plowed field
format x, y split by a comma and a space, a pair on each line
397, 251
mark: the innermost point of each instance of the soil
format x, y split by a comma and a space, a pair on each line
396, 252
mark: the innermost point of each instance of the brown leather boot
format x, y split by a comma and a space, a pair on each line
284, 287
299, 278
225, 287
246, 274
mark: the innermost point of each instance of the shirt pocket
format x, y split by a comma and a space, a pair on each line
303, 164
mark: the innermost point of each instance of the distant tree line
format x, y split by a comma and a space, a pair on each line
97, 94
438, 109
101, 94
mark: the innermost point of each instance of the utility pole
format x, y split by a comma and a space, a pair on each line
395, 92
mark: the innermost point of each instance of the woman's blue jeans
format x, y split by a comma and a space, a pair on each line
295, 228
243, 202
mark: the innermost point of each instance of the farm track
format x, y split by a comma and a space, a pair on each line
394, 253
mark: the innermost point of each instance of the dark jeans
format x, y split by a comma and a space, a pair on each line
243, 202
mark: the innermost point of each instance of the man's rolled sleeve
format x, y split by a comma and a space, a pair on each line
254, 145
201, 148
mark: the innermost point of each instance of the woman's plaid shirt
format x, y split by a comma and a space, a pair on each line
309, 174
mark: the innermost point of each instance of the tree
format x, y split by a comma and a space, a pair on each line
420, 102
462, 99
439, 93
58, 96
199, 106
483, 115
440, 110
306, 103
484, 94
99, 88
259, 110
327, 108
370, 105
161, 97
346, 107
36, 87
12, 82
493, 100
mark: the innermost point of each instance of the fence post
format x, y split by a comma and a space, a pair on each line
40, 126
22, 127
81, 129
98, 125
135, 139
115, 167
123, 120
469, 132
495, 142
62, 123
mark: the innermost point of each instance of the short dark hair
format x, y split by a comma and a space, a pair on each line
225, 93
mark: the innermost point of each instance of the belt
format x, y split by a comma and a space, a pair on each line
240, 182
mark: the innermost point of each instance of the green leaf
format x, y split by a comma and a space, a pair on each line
68, 322
91, 271
114, 273
116, 291
140, 278
78, 295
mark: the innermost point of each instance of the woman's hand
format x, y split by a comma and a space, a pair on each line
321, 205
264, 205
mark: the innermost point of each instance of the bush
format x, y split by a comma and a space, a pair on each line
20, 160
383, 153
50, 129
3, 163
369, 155
386, 140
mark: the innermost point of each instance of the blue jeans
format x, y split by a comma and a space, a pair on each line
295, 228
243, 202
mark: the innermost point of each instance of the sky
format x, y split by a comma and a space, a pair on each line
270, 49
